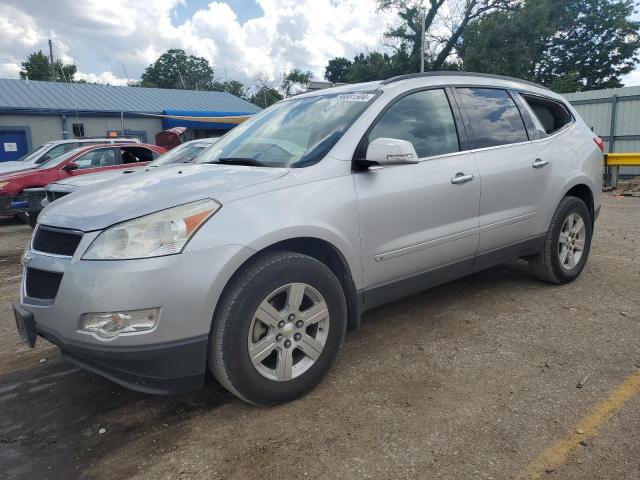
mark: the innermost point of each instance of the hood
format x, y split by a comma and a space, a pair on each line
17, 174
73, 183
9, 167
136, 195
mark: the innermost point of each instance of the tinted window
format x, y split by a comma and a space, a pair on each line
422, 118
494, 117
102, 157
135, 154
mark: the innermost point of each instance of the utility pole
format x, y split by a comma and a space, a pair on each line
424, 18
51, 66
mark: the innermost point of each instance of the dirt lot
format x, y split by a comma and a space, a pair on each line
474, 379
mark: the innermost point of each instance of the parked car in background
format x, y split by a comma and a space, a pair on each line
184, 153
253, 263
81, 161
54, 149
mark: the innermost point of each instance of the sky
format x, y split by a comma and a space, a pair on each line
245, 40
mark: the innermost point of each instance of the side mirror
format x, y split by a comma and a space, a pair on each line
70, 166
391, 151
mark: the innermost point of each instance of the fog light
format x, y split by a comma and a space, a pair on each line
109, 325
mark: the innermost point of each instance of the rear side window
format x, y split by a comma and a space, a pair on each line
551, 115
422, 118
136, 154
493, 117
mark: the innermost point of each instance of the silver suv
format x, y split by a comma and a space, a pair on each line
254, 262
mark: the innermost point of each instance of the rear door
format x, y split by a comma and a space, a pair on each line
413, 218
513, 171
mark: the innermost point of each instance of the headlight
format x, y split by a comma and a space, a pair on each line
3, 184
154, 235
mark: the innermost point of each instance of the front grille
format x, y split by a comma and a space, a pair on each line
56, 241
52, 196
42, 284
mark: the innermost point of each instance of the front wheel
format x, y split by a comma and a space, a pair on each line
279, 328
567, 243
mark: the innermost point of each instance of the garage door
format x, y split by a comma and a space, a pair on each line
13, 145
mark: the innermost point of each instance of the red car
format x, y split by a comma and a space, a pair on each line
82, 161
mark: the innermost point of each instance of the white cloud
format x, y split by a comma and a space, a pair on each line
105, 38
632, 79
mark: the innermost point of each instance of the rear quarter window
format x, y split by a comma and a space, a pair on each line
551, 115
493, 117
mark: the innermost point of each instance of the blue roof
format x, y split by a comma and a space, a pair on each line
29, 95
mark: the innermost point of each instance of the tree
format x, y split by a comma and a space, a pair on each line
596, 41
265, 96
295, 81
232, 86
175, 69
567, 45
445, 22
336, 70
37, 67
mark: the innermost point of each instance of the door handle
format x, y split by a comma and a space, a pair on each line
539, 163
460, 178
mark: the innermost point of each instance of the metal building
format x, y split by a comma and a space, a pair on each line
614, 114
32, 112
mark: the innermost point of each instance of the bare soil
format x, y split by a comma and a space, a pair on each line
468, 380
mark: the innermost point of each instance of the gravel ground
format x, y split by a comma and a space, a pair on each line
472, 379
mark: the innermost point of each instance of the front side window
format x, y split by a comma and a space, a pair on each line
293, 133
101, 157
422, 118
493, 117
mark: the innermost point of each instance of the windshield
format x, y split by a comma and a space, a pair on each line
294, 133
31, 158
184, 153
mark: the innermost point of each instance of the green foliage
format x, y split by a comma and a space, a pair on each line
232, 86
37, 67
175, 69
567, 45
441, 49
337, 69
297, 79
265, 96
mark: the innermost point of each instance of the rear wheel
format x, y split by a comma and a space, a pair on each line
567, 243
279, 328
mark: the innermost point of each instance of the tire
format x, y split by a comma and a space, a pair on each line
548, 265
238, 328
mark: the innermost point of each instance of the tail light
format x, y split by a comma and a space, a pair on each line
599, 142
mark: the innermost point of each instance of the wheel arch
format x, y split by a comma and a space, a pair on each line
325, 252
584, 193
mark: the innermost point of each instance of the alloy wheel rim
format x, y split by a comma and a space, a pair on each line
572, 241
288, 332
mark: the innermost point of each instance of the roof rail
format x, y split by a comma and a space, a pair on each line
455, 73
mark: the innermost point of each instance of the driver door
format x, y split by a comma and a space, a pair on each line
413, 219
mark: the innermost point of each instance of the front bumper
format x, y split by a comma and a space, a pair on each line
5, 205
169, 359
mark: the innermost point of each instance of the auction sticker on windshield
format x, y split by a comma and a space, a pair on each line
355, 97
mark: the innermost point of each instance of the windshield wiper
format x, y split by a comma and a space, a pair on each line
251, 162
